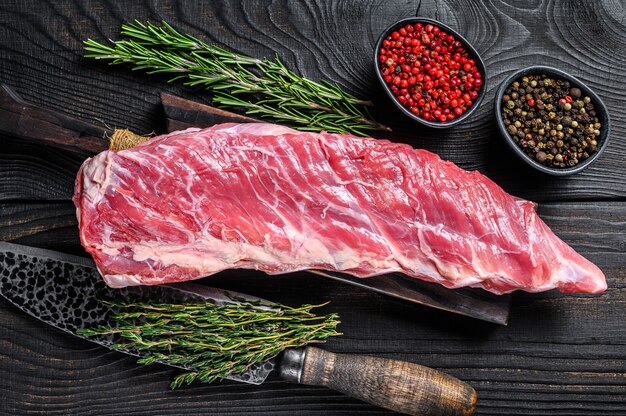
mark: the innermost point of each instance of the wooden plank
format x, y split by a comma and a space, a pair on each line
560, 354
30, 171
22, 120
319, 39
35, 223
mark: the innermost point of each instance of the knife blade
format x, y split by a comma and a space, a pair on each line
475, 303
62, 290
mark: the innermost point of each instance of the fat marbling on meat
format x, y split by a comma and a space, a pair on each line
260, 196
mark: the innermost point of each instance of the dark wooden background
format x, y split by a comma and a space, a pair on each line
560, 355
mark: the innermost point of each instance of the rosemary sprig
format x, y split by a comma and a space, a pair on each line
213, 340
260, 87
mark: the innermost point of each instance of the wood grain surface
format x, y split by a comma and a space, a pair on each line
560, 355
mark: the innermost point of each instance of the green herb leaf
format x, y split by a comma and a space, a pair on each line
264, 87
213, 340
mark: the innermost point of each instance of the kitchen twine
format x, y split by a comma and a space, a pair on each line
125, 139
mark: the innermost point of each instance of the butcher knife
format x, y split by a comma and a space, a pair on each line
31, 123
476, 303
61, 290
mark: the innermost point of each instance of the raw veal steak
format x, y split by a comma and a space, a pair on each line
261, 196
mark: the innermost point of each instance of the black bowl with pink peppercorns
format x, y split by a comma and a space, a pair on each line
430, 72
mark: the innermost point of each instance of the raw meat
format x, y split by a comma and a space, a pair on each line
261, 196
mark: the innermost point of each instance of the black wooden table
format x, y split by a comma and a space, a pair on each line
560, 355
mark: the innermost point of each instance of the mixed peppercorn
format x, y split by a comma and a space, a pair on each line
429, 72
551, 120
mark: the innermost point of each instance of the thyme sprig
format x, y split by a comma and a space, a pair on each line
261, 87
212, 340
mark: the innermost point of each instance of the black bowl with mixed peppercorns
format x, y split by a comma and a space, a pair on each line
430, 72
552, 120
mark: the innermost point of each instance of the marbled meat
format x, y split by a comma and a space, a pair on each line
260, 196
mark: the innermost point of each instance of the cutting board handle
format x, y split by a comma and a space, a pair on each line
396, 385
28, 122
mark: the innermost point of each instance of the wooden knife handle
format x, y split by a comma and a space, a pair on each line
28, 122
396, 385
